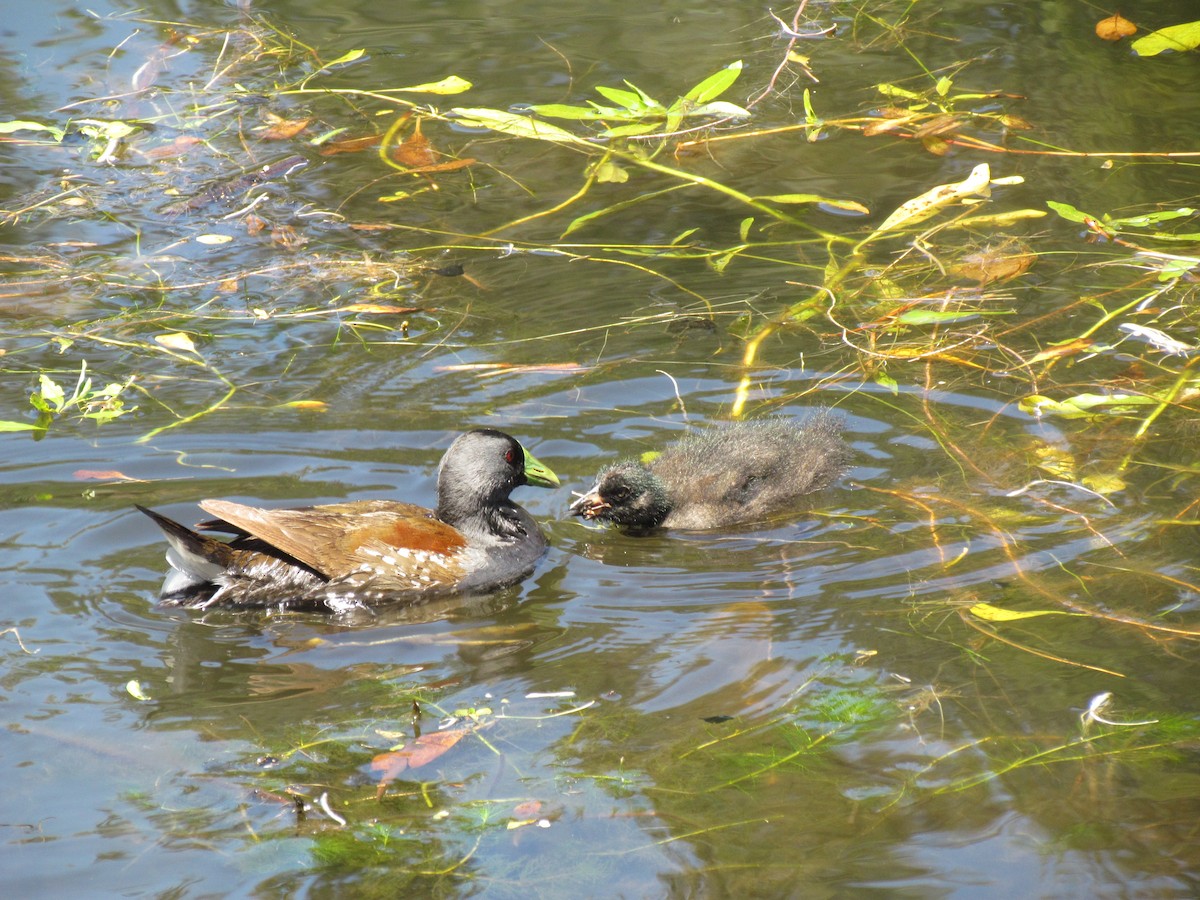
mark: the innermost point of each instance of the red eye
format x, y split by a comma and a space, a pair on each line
508, 456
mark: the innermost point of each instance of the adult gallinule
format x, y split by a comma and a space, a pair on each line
728, 475
347, 555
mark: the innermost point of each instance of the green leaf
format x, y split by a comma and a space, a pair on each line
517, 126
891, 90
347, 58
647, 101
716, 84
744, 229
21, 125
887, 381
1153, 218
933, 316
608, 172
579, 113
1084, 405
625, 130
19, 426
50, 392
627, 99
1068, 212
943, 86
1174, 37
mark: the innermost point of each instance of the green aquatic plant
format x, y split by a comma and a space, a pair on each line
51, 401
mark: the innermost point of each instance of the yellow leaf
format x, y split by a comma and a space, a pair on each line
134, 689
996, 614
1104, 484
918, 209
449, 85
176, 341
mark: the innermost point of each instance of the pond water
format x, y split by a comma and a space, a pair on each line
822, 706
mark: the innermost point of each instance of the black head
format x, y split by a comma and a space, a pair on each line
481, 469
626, 494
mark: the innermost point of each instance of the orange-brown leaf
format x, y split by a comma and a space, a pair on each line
1114, 28
429, 747
380, 308
282, 129
421, 751
102, 475
181, 145
351, 145
415, 152
527, 810
1061, 351
448, 166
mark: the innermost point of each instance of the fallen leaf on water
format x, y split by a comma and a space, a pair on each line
176, 341
213, 239
1063, 350
928, 204
1114, 28
134, 689
351, 145
488, 369
415, 151
319, 405
991, 613
102, 475
1104, 483
421, 751
995, 263
177, 147
528, 809
282, 129
1056, 461
289, 237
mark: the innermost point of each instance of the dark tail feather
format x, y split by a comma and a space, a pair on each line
196, 561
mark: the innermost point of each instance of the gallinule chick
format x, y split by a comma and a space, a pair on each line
347, 555
729, 475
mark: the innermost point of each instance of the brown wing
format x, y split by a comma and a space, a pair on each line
340, 538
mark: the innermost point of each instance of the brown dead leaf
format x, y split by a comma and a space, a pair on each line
1114, 28
1063, 350
449, 166
281, 129
938, 126
995, 263
351, 145
419, 752
177, 147
527, 810
415, 152
102, 475
889, 123
488, 369
287, 236
938, 146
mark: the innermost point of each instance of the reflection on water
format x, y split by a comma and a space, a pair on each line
831, 705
